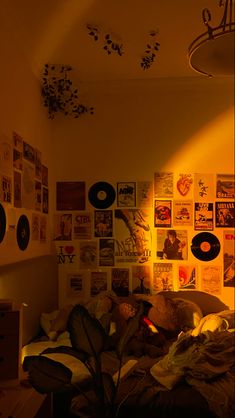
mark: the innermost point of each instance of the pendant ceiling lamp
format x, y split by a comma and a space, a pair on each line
212, 53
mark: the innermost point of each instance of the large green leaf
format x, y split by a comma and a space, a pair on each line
86, 332
47, 375
132, 328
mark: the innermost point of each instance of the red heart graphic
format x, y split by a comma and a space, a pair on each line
69, 249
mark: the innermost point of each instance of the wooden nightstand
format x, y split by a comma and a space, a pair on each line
10, 344
24, 402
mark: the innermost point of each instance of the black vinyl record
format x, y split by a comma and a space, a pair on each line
205, 246
2, 222
23, 232
101, 195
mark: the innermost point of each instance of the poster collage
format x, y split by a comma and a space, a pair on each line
146, 236
24, 184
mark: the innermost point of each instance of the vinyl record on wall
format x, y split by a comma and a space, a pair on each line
2, 222
23, 232
101, 195
205, 246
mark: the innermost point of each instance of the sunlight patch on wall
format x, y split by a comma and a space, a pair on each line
212, 146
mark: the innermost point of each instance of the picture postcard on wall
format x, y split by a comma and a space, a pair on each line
162, 277
182, 212
106, 252
141, 279
187, 276
120, 281
211, 279
38, 195
88, 254
75, 284
203, 216
99, 282
28, 152
70, 195
224, 214
63, 227
162, 213
204, 187
126, 194
163, 184
17, 189
172, 244
225, 186
229, 258
6, 157
133, 235
82, 225
103, 223
184, 185
144, 194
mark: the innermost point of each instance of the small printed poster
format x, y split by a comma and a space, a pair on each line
28, 152
6, 186
126, 194
204, 187
225, 185
82, 225
35, 234
211, 279
162, 213
224, 214
70, 195
120, 281
103, 223
38, 195
163, 185
183, 212
6, 160
88, 254
45, 200
99, 282
162, 277
38, 165
65, 253
187, 277
184, 184
172, 244
44, 175
229, 258
28, 186
75, 284
144, 194
203, 216
43, 228
141, 279
17, 189
63, 227
17, 142
106, 252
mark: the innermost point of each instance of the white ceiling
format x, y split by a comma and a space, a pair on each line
55, 31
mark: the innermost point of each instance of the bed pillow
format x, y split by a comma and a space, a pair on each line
188, 313
80, 373
55, 323
163, 313
46, 320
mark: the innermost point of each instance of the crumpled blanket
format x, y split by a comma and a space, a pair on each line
206, 362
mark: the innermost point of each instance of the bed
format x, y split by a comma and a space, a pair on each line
178, 360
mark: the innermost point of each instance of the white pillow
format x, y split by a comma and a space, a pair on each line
78, 369
46, 320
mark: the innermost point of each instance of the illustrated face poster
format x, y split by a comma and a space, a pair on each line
172, 244
204, 187
225, 185
126, 194
120, 281
99, 282
162, 277
133, 235
162, 213
82, 225
141, 279
211, 279
224, 214
184, 185
163, 184
229, 258
106, 252
187, 277
144, 194
103, 223
183, 212
88, 254
203, 216
63, 227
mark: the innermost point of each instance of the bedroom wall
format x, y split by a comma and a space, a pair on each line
142, 127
